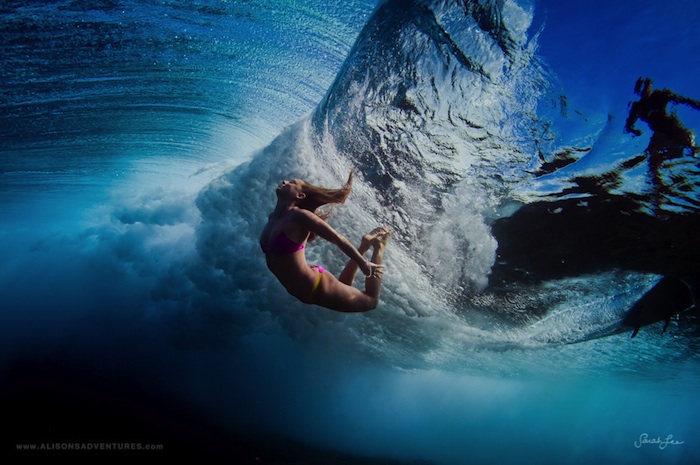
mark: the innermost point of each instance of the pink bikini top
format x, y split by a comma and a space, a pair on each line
281, 244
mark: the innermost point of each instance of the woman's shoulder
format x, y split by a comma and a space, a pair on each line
306, 219
300, 214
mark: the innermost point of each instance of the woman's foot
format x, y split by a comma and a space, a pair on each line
378, 240
370, 238
381, 239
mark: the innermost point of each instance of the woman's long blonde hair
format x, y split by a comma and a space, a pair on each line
317, 196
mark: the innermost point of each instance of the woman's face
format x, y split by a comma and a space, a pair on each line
293, 188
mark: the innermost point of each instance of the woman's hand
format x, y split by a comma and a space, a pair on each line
372, 270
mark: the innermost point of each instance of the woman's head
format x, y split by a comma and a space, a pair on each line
314, 197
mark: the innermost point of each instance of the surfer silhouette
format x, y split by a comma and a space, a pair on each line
670, 138
293, 223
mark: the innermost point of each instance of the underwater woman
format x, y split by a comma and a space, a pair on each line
294, 222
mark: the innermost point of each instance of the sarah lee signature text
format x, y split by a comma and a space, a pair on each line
662, 443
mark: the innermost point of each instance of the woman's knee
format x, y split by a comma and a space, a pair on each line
373, 302
364, 304
358, 304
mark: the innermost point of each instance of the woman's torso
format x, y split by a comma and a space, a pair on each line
284, 253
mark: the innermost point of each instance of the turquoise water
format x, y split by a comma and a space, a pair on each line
140, 145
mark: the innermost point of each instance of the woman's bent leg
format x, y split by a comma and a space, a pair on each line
373, 284
347, 276
339, 296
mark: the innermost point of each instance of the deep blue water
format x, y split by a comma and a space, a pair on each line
140, 145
